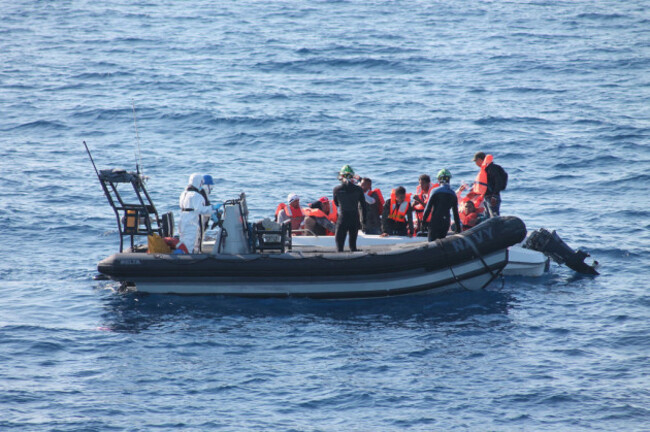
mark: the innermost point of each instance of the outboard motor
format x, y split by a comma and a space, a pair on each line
551, 245
234, 238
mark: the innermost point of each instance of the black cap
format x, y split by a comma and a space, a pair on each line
479, 155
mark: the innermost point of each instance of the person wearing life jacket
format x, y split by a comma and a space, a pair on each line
422, 194
442, 201
349, 198
397, 218
469, 215
193, 206
291, 212
318, 220
490, 181
375, 203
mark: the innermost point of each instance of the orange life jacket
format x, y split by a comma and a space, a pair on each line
481, 181
333, 214
398, 213
295, 214
318, 213
315, 213
476, 199
424, 197
468, 220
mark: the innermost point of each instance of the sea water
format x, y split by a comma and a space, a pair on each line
274, 97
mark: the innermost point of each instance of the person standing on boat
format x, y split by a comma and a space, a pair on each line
375, 202
422, 193
442, 201
397, 218
193, 205
490, 181
206, 189
348, 198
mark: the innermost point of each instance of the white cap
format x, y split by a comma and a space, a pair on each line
292, 197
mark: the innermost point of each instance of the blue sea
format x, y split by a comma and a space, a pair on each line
272, 98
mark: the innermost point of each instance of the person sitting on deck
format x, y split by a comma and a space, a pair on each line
318, 220
469, 215
291, 212
397, 218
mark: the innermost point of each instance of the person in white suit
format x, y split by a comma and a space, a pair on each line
193, 205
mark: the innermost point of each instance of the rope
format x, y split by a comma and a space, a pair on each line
476, 251
442, 246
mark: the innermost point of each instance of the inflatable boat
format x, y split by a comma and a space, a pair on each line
250, 260
467, 261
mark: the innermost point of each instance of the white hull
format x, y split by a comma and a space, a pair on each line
470, 275
521, 261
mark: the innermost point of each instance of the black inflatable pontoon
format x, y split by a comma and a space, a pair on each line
470, 260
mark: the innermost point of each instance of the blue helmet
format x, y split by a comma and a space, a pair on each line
207, 180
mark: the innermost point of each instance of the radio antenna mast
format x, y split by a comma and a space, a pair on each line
138, 156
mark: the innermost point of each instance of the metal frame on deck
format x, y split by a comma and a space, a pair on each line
133, 219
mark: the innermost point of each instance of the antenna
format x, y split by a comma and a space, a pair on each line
92, 161
138, 156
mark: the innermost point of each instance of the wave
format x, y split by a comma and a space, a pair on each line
518, 120
588, 122
361, 49
201, 117
101, 75
532, 90
41, 124
600, 16
105, 114
319, 64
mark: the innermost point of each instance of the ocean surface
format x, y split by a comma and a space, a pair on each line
272, 98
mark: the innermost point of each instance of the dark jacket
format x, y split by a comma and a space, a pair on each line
373, 220
495, 174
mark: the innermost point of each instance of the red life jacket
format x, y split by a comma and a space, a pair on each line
379, 197
481, 181
398, 213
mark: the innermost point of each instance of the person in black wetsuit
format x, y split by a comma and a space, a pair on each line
348, 198
441, 201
